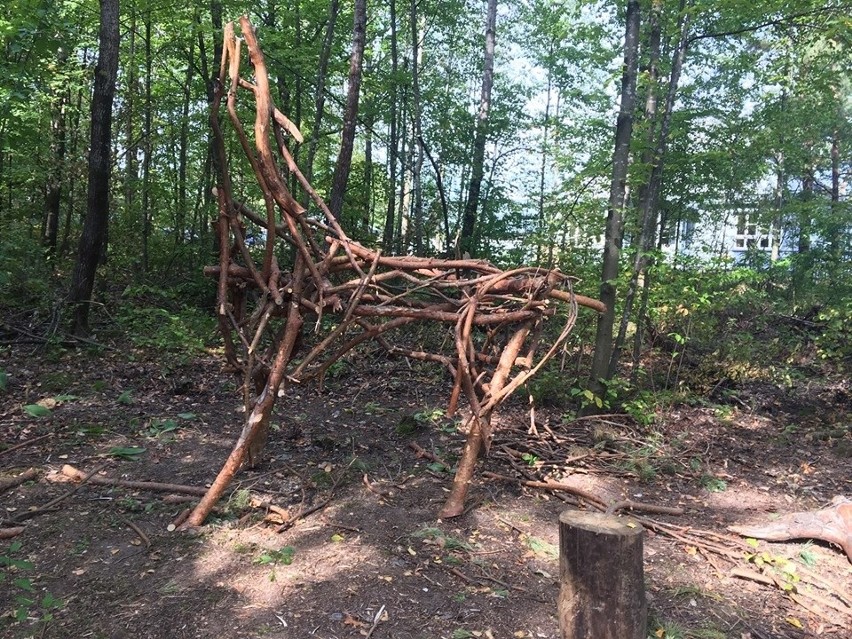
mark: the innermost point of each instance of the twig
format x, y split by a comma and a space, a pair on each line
596, 501
136, 529
304, 513
376, 621
26, 443
8, 533
70, 471
177, 522
58, 500
10, 482
648, 508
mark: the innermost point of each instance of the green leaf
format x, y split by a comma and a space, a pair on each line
24, 584
49, 601
130, 452
186, 415
543, 548
36, 410
125, 398
4, 380
66, 398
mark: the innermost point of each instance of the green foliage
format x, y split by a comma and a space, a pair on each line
183, 332
25, 276
283, 556
26, 602
37, 410
130, 453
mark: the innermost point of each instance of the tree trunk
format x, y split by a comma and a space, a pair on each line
183, 149
617, 201
653, 158
350, 116
417, 168
393, 144
467, 243
148, 146
92, 239
602, 587
53, 198
72, 176
319, 94
539, 253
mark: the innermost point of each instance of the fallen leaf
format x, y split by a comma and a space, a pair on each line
794, 622
349, 620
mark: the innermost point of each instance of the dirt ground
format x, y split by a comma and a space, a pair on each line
368, 558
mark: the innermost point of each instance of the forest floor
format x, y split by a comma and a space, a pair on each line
372, 560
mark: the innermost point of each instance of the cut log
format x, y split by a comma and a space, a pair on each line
602, 593
832, 524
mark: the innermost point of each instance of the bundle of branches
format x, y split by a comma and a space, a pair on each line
495, 316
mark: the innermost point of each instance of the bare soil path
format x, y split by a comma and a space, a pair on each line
369, 558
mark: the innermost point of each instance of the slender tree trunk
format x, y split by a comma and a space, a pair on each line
350, 116
149, 147
835, 234
367, 217
319, 94
393, 144
183, 149
417, 167
130, 149
543, 169
617, 201
467, 240
648, 157
649, 202
72, 175
804, 244
53, 198
95, 227
402, 204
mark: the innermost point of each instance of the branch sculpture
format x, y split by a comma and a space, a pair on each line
494, 317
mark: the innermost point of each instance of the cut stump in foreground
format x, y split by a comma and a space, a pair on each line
602, 593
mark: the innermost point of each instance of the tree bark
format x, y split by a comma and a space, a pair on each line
53, 198
183, 149
319, 94
602, 593
92, 239
466, 240
417, 168
148, 146
350, 116
617, 201
393, 144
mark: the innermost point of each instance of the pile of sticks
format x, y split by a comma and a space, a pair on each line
494, 318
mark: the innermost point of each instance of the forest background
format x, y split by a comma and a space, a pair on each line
480, 127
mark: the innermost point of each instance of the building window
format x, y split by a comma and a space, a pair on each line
749, 233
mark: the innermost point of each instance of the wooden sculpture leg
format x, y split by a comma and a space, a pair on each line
454, 506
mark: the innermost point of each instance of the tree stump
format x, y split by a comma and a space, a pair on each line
602, 593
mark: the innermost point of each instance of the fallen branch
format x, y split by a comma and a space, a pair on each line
10, 482
142, 536
648, 508
73, 473
596, 501
50, 506
26, 443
